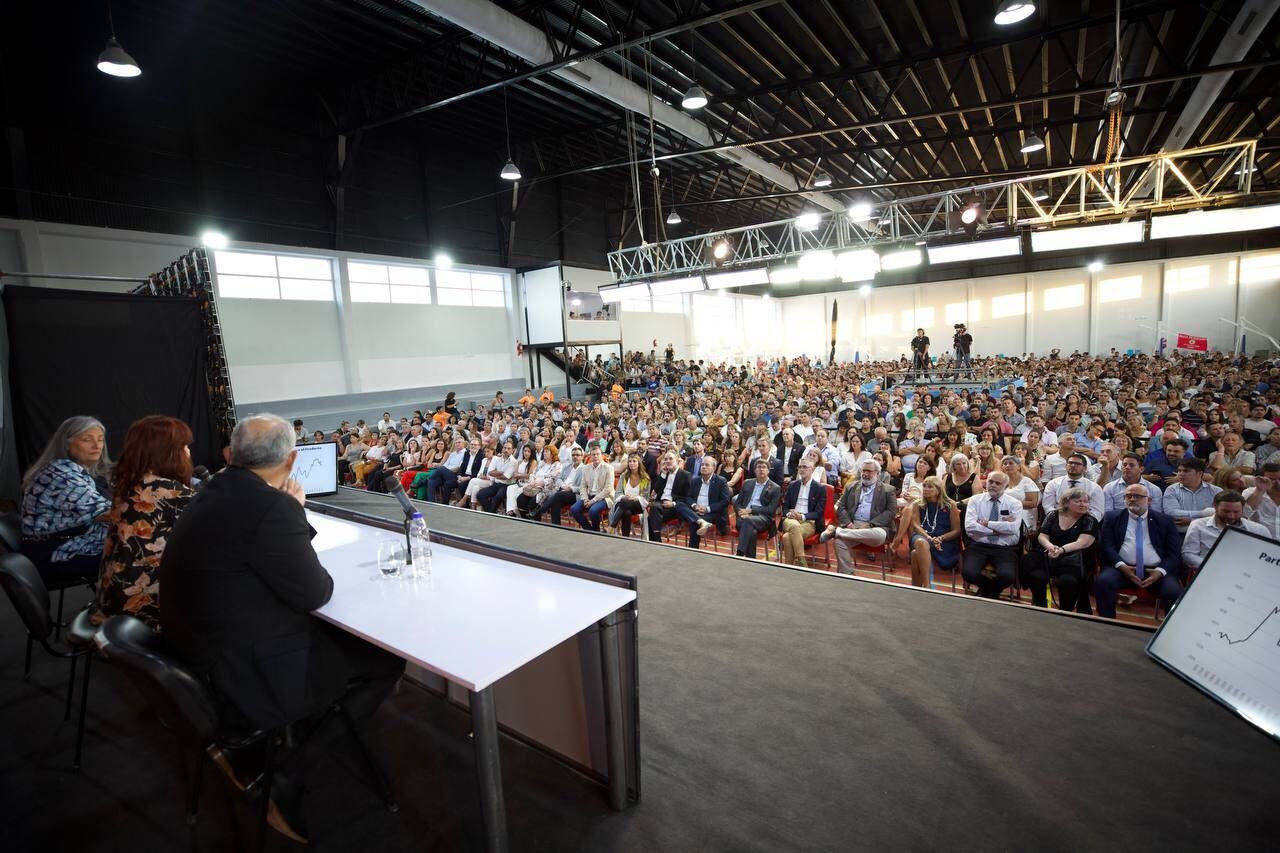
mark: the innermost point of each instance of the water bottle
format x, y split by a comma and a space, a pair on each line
419, 545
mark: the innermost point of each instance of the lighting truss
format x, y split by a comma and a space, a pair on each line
1205, 177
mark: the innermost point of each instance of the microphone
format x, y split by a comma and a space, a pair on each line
198, 476
396, 490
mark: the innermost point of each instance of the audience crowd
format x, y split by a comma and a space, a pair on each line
1159, 453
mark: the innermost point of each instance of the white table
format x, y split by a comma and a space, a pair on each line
475, 619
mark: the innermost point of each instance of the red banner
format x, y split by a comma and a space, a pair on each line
1193, 343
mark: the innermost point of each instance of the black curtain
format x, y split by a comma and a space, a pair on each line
114, 356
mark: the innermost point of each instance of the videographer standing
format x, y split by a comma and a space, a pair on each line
962, 342
920, 353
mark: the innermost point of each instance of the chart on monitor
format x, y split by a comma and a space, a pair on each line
316, 468
1224, 635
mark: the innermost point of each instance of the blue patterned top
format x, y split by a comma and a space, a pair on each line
64, 495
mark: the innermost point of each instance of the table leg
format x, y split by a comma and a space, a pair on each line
484, 727
613, 728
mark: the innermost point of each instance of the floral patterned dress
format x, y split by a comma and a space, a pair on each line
129, 582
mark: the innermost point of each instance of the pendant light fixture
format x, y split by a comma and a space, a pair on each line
694, 98
114, 60
673, 218
510, 172
1013, 11
1032, 144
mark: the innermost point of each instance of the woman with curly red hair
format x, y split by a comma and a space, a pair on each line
152, 487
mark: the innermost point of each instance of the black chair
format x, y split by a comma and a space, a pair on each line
11, 542
27, 592
187, 707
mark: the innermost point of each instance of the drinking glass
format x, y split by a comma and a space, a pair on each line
390, 556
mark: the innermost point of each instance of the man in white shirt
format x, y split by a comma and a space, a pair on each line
1074, 478
1055, 465
1262, 500
830, 455
386, 423
1202, 533
1047, 436
1257, 421
1130, 473
993, 528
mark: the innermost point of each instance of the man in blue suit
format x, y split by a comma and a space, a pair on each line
709, 501
803, 509
1140, 549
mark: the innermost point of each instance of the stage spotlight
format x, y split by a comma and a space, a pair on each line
721, 249
213, 240
1095, 266
860, 211
969, 215
865, 289
808, 220
443, 261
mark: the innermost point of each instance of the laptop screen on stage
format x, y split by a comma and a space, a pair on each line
316, 468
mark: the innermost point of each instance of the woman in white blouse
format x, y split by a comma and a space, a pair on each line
524, 470
852, 458
1024, 489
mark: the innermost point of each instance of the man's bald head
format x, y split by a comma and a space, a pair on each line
262, 441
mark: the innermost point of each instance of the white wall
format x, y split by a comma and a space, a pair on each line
299, 350
544, 305
640, 328
1127, 306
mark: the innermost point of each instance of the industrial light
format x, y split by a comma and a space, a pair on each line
673, 218
695, 98
1240, 171
623, 291
865, 289
213, 240
510, 172
901, 259
858, 265
860, 211
115, 61
976, 250
1089, 236
1041, 196
817, 266
1033, 144
1115, 97
822, 179
443, 261
672, 286
1013, 11
808, 220
738, 278
969, 215
784, 275
1225, 221
1095, 266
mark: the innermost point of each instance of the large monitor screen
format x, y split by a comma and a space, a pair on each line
316, 468
1224, 635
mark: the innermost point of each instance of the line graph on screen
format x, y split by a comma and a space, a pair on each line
1224, 635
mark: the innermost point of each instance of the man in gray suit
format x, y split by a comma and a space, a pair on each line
864, 515
756, 505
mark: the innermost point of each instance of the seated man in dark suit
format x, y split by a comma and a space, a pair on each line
864, 515
756, 506
709, 501
670, 496
1140, 549
240, 582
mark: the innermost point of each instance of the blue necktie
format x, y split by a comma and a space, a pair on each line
995, 510
1140, 563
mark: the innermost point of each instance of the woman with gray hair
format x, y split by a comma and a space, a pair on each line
1064, 538
65, 495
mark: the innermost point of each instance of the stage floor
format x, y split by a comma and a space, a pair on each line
780, 710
